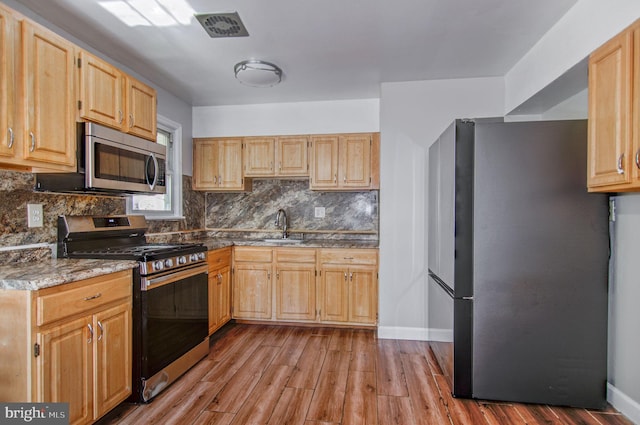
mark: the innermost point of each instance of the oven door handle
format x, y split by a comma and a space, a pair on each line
148, 284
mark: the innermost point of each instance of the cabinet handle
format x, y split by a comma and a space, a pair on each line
131, 121
335, 178
121, 116
219, 278
90, 340
10, 144
347, 258
33, 142
638, 158
268, 275
93, 297
220, 180
350, 278
345, 276
345, 179
280, 165
101, 330
215, 179
619, 167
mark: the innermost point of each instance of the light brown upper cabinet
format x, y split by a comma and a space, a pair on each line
276, 156
614, 114
48, 116
344, 162
7, 84
113, 98
141, 101
217, 164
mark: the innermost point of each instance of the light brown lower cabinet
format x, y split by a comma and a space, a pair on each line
348, 286
219, 288
78, 350
310, 285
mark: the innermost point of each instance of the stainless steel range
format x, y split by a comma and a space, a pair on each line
170, 294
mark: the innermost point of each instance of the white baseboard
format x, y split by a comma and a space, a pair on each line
623, 403
415, 334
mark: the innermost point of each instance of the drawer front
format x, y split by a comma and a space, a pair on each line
295, 255
253, 255
219, 258
82, 296
349, 256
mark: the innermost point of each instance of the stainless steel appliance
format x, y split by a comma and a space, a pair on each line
170, 294
518, 261
112, 162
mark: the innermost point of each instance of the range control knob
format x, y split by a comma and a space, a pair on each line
168, 262
182, 260
193, 257
201, 255
157, 265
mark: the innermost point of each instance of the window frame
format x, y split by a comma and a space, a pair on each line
176, 212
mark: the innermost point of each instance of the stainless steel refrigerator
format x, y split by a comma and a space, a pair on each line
518, 263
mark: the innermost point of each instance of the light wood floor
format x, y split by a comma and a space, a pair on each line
272, 375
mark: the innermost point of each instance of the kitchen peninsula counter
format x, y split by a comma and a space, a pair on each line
44, 274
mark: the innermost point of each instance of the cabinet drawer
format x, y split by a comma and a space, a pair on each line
67, 300
295, 255
252, 254
219, 257
349, 256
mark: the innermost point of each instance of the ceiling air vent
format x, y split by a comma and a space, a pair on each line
222, 24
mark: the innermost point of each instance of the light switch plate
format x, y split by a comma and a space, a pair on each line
319, 212
35, 216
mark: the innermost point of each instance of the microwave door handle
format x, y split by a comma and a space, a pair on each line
152, 185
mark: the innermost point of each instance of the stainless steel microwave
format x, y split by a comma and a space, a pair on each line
112, 162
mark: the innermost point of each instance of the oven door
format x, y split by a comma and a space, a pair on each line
175, 316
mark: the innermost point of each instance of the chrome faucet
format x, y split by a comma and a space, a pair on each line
284, 222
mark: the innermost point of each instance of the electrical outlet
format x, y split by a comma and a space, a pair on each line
35, 216
319, 212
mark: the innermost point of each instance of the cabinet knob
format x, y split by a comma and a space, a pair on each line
638, 158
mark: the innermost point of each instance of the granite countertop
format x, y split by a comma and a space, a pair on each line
44, 274
217, 243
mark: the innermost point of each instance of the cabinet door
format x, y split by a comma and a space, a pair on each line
65, 367
252, 291
355, 161
223, 296
259, 153
609, 153
113, 357
230, 164
334, 294
49, 115
205, 164
101, 97
295, 292
141, 109
7, 84
324, 162
363, 295
292, 156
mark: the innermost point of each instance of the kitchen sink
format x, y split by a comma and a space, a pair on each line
282, 241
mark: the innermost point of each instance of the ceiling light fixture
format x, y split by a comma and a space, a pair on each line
257, 73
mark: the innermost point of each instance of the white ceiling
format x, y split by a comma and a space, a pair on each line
328, 49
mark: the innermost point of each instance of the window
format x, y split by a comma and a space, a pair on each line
169, 205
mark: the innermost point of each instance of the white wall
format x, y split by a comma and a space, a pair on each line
412, 116
344, 116
583, 28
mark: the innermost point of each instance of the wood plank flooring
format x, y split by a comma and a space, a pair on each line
259, 374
